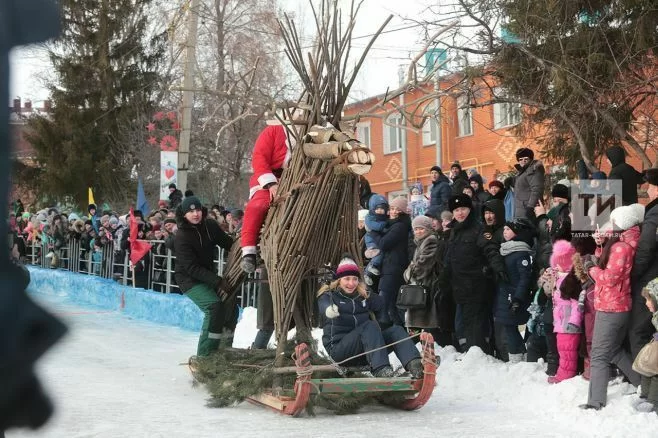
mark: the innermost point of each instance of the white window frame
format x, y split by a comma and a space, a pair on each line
505, 114
393, 125
363, 133
431, 125
464, 116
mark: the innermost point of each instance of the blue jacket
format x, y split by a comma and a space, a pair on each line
440, 193
518, 266
375, 222
354, 310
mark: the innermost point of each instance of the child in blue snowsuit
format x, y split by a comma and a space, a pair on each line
375, 223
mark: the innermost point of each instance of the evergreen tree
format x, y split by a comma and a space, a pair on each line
587, 69
105, 74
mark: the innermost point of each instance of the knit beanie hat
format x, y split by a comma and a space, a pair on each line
437, 168
73, 217
346, 267
170, 220
562, 255
624, 217
400, 203
496, 183
560, 191
652, 289
422, 222
446, 215
457, 165
524, 153
362, 214
190, 203
91, 207
114, 221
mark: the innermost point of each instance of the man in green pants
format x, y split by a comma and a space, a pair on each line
194, 248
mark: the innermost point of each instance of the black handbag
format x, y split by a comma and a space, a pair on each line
412, 296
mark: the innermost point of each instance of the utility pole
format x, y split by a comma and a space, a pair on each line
188, 94
402, 136
439, 133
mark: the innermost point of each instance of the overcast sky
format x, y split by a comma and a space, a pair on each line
380, 70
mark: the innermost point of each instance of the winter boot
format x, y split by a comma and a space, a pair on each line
645, 385
653, 393
248, 263
552, 360
385, 371
515, 358
415, 368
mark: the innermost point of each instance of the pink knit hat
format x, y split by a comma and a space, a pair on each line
346, 267
400, 203
562, 255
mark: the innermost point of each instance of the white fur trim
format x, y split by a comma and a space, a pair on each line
247, 250
266, 178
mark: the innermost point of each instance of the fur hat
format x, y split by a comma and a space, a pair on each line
446, 215
362, 214
79, 226
560, 191
346, 267
190, 203
400, 203
651, 176
624, 217
437, 168
461, 200
422, 222
525, 153
638, 210
562, 255
496, 183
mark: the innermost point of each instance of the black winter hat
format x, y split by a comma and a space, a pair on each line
191, 203
170, 220
91, 207
457, 165
560, 191
437, 168
651, 176
172, 186
461, 200
189, 192
525, 152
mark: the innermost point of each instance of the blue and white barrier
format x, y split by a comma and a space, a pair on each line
169, 309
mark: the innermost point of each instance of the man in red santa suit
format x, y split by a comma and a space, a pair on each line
271, 154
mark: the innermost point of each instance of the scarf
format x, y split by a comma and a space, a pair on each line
511, 246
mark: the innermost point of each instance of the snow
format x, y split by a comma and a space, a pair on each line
115, 376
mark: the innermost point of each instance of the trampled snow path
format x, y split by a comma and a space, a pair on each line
118, 377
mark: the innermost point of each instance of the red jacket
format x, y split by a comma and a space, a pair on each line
612, 292
271, 154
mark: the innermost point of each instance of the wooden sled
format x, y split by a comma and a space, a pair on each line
415, 392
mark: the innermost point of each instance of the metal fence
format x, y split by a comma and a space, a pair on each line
155, 271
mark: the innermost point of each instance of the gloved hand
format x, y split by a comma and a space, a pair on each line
502, 277
572, 328
332, 311
515, 306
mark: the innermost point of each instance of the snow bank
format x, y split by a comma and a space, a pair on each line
101, 293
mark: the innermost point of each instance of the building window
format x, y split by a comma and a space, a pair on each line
394, 136
431, 125
363, 133
464, 116
506, 114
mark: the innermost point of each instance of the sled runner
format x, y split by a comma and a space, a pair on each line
399, 392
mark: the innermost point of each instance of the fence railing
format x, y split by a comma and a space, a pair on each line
155, 271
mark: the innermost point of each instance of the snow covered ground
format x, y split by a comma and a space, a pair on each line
118, 377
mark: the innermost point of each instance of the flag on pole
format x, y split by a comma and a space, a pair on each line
138, 248
142, 203
91, 197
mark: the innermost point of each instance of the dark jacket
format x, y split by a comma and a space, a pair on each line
629, 177
394, 244
175, 198
353, 310
459, 183
645, 263
528, 188
468, 257
518, 265
194, 247
494, 232
440, 193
